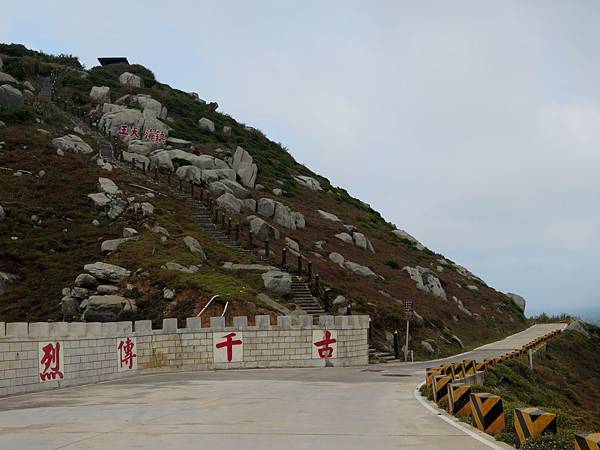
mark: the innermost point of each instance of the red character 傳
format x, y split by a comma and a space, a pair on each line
229, 343
126, 354
51, 356
326, 351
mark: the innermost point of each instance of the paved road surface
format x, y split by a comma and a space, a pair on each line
331, 408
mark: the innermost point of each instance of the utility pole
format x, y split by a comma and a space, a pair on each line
408, 312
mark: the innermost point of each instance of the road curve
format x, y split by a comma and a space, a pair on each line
330, 408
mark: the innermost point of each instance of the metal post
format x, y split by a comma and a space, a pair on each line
168, 177
530, 359
192, 189
299, 264
406, 348
370, 333
180, 184
267, 247
250, 238
284, 256
310, 270
237, 231
229, 227
317, 285
397, 344
156, 173
223, 221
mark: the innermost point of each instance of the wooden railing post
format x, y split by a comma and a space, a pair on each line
237, 232
310, 270
284, 251
299, 263
229, 227
267, 248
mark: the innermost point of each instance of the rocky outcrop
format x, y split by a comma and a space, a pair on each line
345, 237
229, 203
403, 235
100, 94
108, 186
7, 78
149, 106
196, 175
261, 229
280, 213
132, 125
309, 182
328, 216
194, 246
108, 308
249, 267
5, 280
244, 167
292, 245
72, 143
235, 188
107, 272
426, 280
131, 80
360, 270
337, 258
161, 160
205, 162
206, 124
519, 301
10, 96
112, 245
277, 282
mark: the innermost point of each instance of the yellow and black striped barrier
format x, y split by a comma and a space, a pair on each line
459, 402
447, 369
488, 412
587, 441
469, 367
481, 366
459, 370
440, 387
532, 422
429, 373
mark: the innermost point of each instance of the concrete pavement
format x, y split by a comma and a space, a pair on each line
330, 408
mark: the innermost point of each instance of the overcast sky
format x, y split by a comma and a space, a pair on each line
473, 125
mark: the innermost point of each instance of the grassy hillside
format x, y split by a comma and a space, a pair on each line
564, 381
46, 258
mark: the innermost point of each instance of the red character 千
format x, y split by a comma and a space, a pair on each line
229, 343
326, 351
51, 356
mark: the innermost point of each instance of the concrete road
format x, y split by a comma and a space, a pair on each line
331, 408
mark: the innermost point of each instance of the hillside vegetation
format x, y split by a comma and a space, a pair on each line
48, 236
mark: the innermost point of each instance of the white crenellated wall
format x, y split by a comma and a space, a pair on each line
90, 350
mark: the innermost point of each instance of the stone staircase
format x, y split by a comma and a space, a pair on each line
378, 357
45, 93
302, 297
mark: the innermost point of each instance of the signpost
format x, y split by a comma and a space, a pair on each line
409, 308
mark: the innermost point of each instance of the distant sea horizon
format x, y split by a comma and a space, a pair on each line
591, 314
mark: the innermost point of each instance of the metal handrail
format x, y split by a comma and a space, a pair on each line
208, 304
225, 309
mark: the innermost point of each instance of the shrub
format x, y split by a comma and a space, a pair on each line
16, 115
549, 442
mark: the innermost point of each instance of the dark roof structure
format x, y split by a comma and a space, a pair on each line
105, 61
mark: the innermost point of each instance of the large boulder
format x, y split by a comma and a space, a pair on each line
360, 270
132, 125
277, 282
112, 108
142, 147
100, 94
328, 216
218, 188
345, 237
194, 246
299, 220
236, 189
108, 186
131, 80
161, 160
139, 160
426, 280
7, 78
261, 229
149, 106
244, 167
361, 241
230, 203
107, 272
403, 235
337, 258
10, 96
206, 124
112, 245
309, 182
72, 143
266, 207
199, 161
283, 216
100, 199
108, 308
519, 301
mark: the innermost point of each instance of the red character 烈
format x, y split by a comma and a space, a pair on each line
126, 355
326, 351
51, 356
229, 343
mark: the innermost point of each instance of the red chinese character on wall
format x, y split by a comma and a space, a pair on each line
124, 130
150, 134
134, 133
161, 137
229, 343
126, 354
324, 346
50, 363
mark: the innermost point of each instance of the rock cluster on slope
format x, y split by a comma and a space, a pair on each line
426, 280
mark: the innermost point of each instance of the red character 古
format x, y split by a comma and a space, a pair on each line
326, 351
